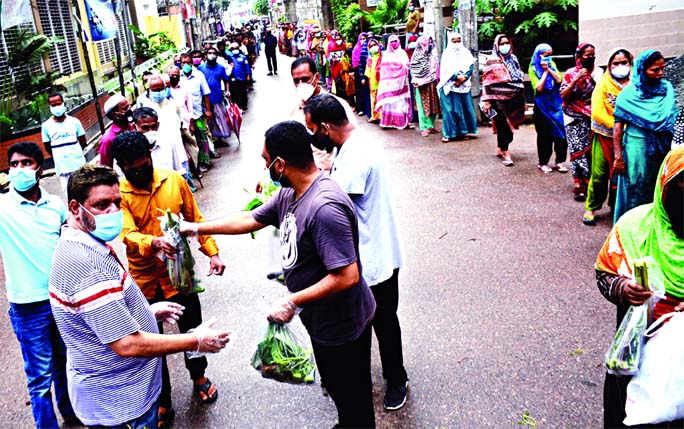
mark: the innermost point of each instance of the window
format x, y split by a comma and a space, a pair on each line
8, 40
106, 49
56, 20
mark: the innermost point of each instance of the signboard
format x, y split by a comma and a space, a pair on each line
372, 3
102, 20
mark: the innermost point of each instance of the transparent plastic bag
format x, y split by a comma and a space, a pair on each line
182, 268
282, 357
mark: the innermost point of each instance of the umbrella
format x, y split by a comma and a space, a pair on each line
234, 118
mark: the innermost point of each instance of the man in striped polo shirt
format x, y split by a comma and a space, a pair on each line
64, 139
113, 345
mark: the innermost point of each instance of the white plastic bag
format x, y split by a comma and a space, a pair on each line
656, 393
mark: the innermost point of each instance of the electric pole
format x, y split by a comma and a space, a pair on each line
467, 23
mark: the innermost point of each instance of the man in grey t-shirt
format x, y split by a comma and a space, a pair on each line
359, 170
319, 250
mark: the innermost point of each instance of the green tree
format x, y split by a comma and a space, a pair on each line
388, 12
347, 18
261, 7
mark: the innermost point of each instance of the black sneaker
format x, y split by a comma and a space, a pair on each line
395, 397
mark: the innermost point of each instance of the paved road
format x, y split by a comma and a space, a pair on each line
499, 308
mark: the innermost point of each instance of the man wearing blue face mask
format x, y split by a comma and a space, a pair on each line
64, 139
219, 81
30, 222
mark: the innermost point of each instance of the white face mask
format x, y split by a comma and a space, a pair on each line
339, 42
151, 137
505, 49
305, 91
456, 45
621, 71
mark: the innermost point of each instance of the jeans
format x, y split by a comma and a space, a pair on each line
44, 356
191, 318
387, 330
345, 370
146, 421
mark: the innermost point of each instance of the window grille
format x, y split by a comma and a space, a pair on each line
56, 20
106, 48
8, 39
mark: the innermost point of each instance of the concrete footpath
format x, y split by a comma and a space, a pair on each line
499, 306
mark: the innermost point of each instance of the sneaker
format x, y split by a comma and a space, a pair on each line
395, 397
269, 74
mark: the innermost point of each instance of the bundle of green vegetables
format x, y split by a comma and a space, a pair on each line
266, 190
182, 267
281, 357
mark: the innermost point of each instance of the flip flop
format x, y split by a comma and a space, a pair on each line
165, 419
204, 388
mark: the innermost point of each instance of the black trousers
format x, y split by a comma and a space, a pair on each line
347, 375
238, 91
546, 142
387, 330
191, 318
272, 62
504, 134
359, 89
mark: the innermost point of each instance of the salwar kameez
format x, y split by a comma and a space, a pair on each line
425, 121
600, 185
458, 114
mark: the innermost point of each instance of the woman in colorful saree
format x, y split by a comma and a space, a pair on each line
394, 94
548, 112
454, 86
603, 99
503, 95
653, 230
424, 66
645, 114
578, 85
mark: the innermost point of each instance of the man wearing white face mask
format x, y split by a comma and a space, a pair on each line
64, 139
30, 222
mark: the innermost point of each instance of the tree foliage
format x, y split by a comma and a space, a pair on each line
388, 12
261, 7
147, 47
347, 18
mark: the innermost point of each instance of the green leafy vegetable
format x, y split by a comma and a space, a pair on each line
267, 189
182, 268
280, 357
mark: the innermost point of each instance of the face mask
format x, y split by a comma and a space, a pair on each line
158, 96
187, 68
455, 46
338, 42
394, 44
305, 91
151, 137
167, 91
141, 177
197, 61
211, 57
411, 9
178, 64
621, 71
174, 81
22, 179
374, 50
505, 49
588, 63
235, 51
273, 174
108, 226
58, 111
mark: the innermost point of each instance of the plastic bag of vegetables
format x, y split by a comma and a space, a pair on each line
282, 357
182, 267
266, 190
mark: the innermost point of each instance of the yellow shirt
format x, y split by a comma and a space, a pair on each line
141, 210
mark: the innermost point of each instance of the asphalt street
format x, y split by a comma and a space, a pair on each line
499, 307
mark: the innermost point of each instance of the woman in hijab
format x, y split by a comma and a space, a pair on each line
456, 67
394, 94
424, 77
341, 73
645, 114
548, 111
372, 73
578, 85
358, 60
653, 230
502, 94
603, 99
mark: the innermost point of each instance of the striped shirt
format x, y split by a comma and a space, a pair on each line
95, 302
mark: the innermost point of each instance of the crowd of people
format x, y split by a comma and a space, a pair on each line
621, 127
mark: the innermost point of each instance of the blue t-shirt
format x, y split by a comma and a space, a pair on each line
215, 75
63, 138
28, 235
318, 234
95, 302
241, 68
359, 169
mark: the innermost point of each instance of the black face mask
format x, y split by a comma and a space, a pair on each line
588, 63
322, 142
140, 177
674, 204
174, 80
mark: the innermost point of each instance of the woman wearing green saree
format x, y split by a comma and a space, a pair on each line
645, 114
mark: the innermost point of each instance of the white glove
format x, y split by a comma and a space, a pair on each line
168, 312
210, 340
283, 310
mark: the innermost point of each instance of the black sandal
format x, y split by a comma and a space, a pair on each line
204, 388
165, 419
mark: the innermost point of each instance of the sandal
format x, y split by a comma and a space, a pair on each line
589, 219
165, 418
203, 389
425, 133
499, 153
445, 140
545, 168
508, 162
561, 168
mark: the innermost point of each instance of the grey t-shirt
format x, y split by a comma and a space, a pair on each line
319, 233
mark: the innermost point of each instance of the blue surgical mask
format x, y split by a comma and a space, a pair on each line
22, 179
58, 111
168, 92
275, 182
158, 96
108, 226
505, 49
